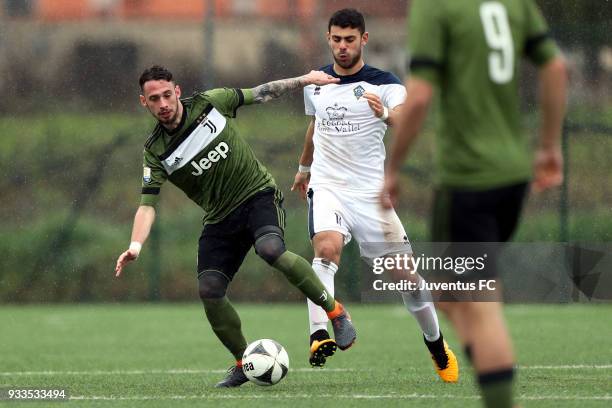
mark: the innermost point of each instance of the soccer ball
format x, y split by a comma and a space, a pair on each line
265, 362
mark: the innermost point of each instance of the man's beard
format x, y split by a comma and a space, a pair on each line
349, 64
170, 120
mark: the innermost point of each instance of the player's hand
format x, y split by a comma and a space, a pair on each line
390, 191
319, 78
300, 184
375, 103
548, 169
125, 258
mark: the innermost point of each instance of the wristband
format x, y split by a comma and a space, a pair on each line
136, 246
385, 114
304, 169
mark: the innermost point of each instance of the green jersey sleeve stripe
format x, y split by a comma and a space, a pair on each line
150, 190
240, 97
532, 43
240, 100
177, 142
151, 139
419, 63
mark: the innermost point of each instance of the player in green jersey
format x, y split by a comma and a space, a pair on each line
196, 146
469, 49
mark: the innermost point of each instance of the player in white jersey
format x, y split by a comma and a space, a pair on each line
341, 172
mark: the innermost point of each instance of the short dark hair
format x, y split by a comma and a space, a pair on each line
154, 73
347, 17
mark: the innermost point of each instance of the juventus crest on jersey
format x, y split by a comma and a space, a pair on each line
348, 138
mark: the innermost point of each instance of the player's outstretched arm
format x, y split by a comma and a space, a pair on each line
271, 90
302, 177
409, 121
548, 166
143, 220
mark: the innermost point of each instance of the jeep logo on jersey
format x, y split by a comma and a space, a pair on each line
219, 152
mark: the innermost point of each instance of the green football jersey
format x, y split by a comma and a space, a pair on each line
470, 50
205, 156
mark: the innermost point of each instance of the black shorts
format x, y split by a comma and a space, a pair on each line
477, 216
224, 245
489, 216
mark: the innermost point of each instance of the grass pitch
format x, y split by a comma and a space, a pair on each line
161, 355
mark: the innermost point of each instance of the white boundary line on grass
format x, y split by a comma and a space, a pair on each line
342, 396
299, 370
155, 371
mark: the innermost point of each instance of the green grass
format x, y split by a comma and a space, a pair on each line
160, 355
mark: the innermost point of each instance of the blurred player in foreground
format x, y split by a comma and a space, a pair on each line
469, 49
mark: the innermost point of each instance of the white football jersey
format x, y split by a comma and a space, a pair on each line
348, 138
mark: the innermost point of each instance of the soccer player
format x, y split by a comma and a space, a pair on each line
469, 50
196, 146
341, 170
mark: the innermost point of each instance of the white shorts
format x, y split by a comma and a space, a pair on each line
378, 231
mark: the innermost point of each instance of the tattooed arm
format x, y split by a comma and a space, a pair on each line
271, 90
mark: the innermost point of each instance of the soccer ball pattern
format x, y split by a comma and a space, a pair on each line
265, 362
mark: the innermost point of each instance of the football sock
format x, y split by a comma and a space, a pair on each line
338, 311
225, 322
496, 388
325, 270
319, 335
424, 312
298, 271
436, 348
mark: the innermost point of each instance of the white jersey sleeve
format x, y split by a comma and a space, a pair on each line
393, 95
309, 108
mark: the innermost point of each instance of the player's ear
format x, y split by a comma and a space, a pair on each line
177, 91
364, 38
143, 101
328, 36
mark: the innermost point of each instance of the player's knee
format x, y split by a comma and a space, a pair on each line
212, 284
327, 250
472, 311
270, 245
